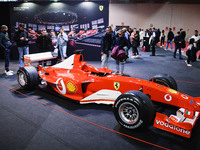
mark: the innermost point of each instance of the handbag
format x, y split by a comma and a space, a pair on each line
121, 56
115, 52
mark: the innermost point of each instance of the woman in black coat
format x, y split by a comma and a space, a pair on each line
121, 42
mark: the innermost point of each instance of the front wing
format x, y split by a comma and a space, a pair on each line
177, 124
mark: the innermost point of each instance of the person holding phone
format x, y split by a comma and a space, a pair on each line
62, 43
21, 38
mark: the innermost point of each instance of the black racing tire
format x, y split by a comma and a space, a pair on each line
134, 110
27, 77
166, 80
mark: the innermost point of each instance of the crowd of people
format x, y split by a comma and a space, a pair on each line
22, 39
117, 43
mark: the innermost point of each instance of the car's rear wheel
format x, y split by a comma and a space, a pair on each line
166, 80
27, 77
133, 110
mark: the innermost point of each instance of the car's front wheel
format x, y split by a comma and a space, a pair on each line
134, 110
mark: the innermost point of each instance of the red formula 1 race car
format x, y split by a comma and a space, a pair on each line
132, 98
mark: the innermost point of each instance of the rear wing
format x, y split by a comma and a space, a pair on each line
29, 59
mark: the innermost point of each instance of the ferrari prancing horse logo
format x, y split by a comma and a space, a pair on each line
101, 7
116, 85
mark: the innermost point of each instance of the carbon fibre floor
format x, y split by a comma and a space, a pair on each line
38, 120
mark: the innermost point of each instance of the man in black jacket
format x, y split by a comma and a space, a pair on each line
21, 38
170, 37
178, 43
152, 41
146, 40
44, 42
106, 45
5, 44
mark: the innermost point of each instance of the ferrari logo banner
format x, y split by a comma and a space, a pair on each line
101, 7
116, 85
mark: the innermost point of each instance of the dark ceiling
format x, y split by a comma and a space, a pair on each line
135, 1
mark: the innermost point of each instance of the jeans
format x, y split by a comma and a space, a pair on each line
120, 66
105, 60
179, 48
168, 41
63, 51
7, 59
22, 51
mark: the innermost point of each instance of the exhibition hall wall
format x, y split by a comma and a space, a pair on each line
184, 16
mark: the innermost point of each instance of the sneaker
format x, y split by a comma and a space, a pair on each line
186, 62
189, 65
8, 73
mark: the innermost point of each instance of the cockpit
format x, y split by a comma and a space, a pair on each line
76, 62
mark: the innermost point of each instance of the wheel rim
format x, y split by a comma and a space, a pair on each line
22, 79
128, 113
